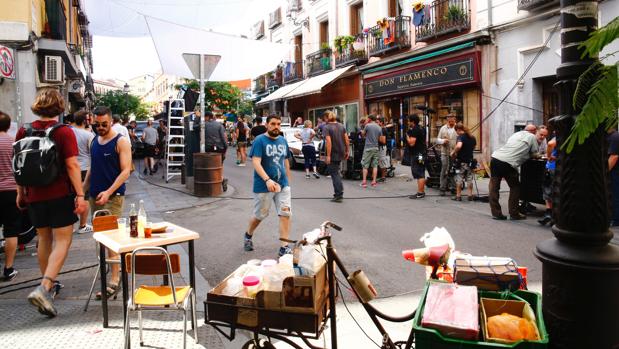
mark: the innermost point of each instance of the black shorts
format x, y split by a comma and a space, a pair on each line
9, 214
418, 168
55, 213
149, 150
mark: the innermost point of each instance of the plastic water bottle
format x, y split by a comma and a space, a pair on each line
141, 219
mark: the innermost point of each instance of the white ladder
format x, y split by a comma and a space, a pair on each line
175, 145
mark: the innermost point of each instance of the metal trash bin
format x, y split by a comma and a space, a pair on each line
208, 174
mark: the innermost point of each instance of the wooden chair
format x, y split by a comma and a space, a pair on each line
102, 220
155, 297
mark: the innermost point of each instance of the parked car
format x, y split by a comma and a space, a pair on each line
295, 145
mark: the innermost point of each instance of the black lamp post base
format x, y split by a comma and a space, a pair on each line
580, 294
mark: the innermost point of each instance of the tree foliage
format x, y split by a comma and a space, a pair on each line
124, 104
221, 95
597, 91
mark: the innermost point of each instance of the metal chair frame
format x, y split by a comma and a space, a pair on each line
190, 300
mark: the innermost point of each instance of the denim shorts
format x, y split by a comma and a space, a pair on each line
262, 203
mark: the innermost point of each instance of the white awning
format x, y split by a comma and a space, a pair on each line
315, 84
281, 93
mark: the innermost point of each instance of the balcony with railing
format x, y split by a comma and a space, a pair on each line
258, 30
56, 20
529, 5
275, 18
293, 72
393, 34
319, 62
274, 79
350, 49
444, 17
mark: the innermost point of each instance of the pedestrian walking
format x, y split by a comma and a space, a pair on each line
9, 214
505, 163
337, 146
109, 170
462, 156
271, 183
52, 207
84, 140
149, 137
258, 128
370, 157
306, 136
446, 140
241, 141
416, 140
214, 136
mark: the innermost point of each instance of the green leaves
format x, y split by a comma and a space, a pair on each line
600, 38
124, 104
598, 94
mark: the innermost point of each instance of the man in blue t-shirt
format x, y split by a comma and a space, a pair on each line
269, 155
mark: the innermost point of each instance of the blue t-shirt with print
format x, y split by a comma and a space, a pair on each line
273, 153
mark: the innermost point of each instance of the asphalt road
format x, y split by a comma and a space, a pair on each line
378, 224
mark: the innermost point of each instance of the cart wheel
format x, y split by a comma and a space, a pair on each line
391, 172
261, 344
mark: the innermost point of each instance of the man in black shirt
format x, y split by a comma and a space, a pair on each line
258, 129
463, 155
416, 140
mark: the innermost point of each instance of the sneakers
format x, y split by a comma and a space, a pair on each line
9, 274
284, 250
500, 218
242, 164
417, 196
337, 199
43, 300
517, 217
85, 229
307, 176
248, 244
316, 175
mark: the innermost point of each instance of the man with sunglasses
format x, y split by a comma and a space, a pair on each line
110, 166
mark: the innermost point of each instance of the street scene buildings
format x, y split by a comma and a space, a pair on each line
216, 154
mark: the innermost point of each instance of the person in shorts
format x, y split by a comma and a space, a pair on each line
372, 133
271, 173
9, 215
149, 137
463, 157
416, 140
53, 207
84, 140
241, 141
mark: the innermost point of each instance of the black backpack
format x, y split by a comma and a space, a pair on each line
36, 162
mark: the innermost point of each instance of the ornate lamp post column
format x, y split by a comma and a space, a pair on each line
580, 268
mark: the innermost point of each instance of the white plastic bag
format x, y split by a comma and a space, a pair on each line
438, 237
310, 259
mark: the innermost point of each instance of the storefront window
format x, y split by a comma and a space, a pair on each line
348, 114
352, 117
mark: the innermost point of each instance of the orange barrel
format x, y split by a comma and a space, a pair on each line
208, 174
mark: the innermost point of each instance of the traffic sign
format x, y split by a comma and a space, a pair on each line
7, 63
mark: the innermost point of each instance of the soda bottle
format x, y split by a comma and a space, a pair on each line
133, 222
141, 219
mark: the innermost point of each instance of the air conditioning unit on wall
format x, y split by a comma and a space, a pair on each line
53, 70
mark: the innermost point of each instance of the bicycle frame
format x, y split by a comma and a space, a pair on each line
332, 261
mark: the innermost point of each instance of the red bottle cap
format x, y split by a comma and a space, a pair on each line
251, 280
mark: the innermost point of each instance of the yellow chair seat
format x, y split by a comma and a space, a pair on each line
159, 295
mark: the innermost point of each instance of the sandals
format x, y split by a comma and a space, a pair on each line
111, 291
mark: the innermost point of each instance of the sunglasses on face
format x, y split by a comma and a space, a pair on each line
102, 125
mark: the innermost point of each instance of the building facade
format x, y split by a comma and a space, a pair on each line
433, 58
44, 43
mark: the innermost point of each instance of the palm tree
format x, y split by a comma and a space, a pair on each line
597, 91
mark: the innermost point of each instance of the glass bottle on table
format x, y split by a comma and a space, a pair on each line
141, 219
133, 222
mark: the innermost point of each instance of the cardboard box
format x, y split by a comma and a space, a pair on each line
488, 276
491, 307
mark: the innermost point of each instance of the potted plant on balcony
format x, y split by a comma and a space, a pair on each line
455, 13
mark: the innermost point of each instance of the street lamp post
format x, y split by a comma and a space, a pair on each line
126, 91
580, 274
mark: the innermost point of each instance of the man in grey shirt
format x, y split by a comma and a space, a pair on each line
505, 163
84, 140
336, 141
214, 136
370, 157
149, 137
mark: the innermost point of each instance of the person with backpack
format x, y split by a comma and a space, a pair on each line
50, 185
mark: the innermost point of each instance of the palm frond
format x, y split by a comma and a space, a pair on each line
585, 82
602, 103
600, 38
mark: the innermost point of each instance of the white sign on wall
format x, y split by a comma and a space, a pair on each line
7, 63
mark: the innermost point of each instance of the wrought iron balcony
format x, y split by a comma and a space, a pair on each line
274, 79
56, 20
293, 71
444, 17
394, 35
319, 62
529, 5
354, 52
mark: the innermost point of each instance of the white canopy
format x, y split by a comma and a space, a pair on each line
315, 84
281, 93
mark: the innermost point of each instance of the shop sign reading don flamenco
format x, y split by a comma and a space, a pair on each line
454, 72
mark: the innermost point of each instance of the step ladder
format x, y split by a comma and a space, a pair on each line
175, 147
